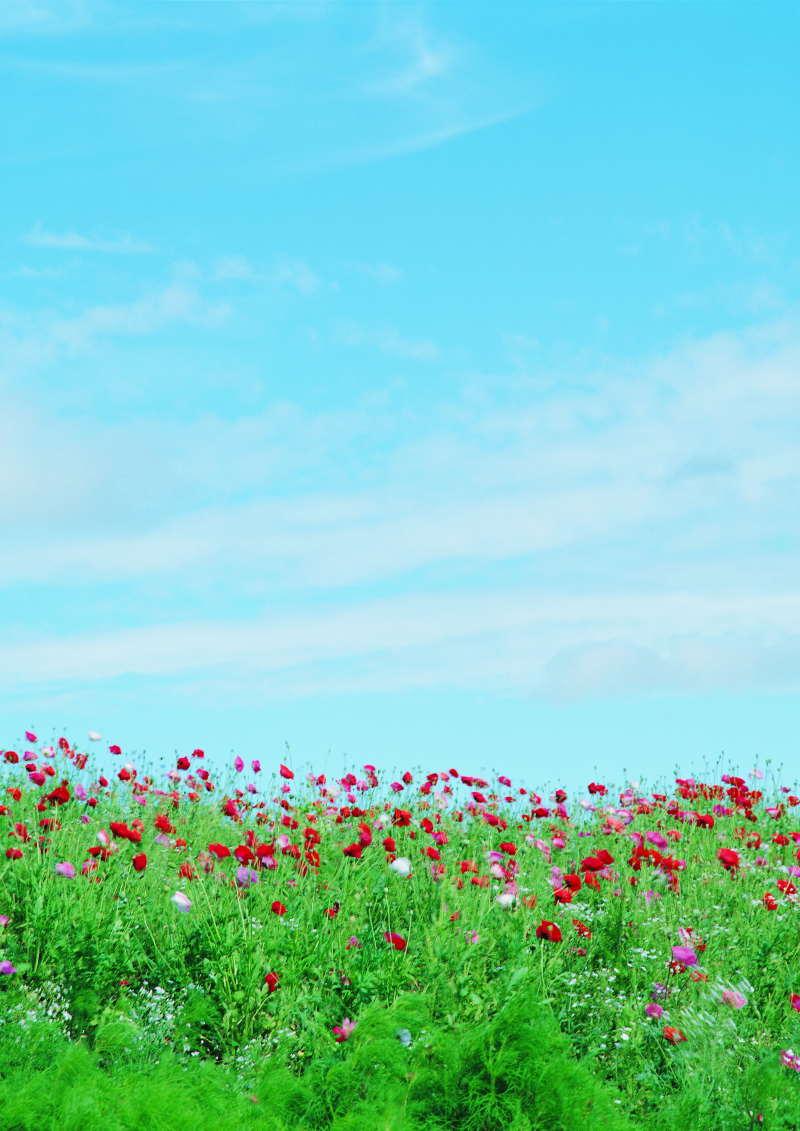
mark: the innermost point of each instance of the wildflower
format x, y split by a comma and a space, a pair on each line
652, 1009
473, 938
728, 859
674, 1036
397, 941
139, 862
286, 772
397, 787
65, 869
219, 850
353, 944
4, 923
352, 850
582, 929
401, 866
506, 899
734, 999
7, 968
794, 1000
271, 981
344, 1030
278, 908
549, 931
562, 895
684, 955
182, 902
769, 901
246, 877
787, 1056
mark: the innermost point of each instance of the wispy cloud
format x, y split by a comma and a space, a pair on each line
385, 339
73, 241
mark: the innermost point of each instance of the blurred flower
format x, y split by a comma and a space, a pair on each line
238, 764
7, 968
397, 941
684, 954
652, 1009
674, 1036
344, 1030
182, 902
245, 877
256, 766
65, 869
278, 908
734, 999
401, 866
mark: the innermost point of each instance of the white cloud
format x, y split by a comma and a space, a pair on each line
297, 274
386, 340
73, 241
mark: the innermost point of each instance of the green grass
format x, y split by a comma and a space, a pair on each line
500, 1029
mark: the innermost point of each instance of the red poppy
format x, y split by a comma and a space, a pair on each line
389, 843
468, 866
278, 907
728, 859
286, 772
479, 798
397, 941
591, 864
549, 931
365, 835
139, 862
427, 824
59, 796
582, 929
562, 895
573, 882
674, 1036
402, 818
13, 853
509, 848
183, 763
769, 901
432, 853
243, 854
11, 757
186, 870
271, 981
219, 850
353, 850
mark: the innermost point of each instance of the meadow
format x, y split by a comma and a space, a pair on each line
273, 950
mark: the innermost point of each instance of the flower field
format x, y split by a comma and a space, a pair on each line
270, 949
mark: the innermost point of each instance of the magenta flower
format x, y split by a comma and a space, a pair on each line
733, 999
246, 876
80, 792
3, 920
397, 787
653, 1009
354, 943
344, 1030
684, 954
238, 765
256, 766
65, 869
7, 968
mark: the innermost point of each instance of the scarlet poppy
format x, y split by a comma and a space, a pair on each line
549, 931
219, 850
582, 929
139, 862
397, 941
572, 881
728, 859
286, 772
674, 1036
389, 843
562, 895
278, 907
353, 850
271, 981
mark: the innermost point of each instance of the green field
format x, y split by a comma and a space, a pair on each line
303, 954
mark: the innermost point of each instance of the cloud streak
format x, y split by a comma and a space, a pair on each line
73, 241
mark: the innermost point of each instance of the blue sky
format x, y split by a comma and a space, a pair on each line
410, 383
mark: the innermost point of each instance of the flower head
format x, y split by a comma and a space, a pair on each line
65, 869
397, 941
344, 1030
181, 901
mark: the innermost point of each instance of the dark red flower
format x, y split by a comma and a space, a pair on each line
728, 859
572, 881
271, 981
353, 850
219, 850
278, 907
397, 941
139, 861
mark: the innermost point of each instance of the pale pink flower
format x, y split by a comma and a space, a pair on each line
734, 999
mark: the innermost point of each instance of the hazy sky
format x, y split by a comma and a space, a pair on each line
418, 383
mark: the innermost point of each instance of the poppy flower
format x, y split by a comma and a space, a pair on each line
674, 1036
244, 854
352, 850
505, 781
591, 864
13, 853
219, 850
728, 859
653, 1009
344, 1030
562, 895
181, 901
549, 931
402, 818
278, 907
734, 999
246, 877
286, 772
271, 981
685, 955
139, 862
794, 1002
65, 869
582, 929
769, 901
397, 941
389, 843
479, 798
572, 882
